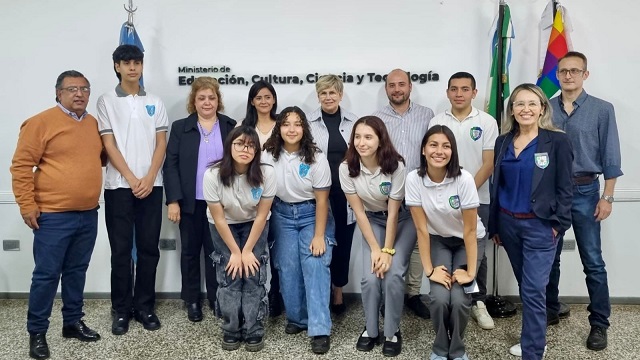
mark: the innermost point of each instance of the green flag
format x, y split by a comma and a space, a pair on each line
504, 29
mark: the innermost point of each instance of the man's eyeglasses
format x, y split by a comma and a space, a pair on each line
74, 89
573, 72
238, 146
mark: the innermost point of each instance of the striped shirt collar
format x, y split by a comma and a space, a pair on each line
72, 114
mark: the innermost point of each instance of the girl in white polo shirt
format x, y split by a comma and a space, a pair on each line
303, 227
372, 178
443, 200
239, 191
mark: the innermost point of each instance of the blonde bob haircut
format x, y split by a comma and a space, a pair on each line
509, 122
329, 81
203, 83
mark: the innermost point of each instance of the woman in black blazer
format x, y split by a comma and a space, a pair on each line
531, 197
195, 142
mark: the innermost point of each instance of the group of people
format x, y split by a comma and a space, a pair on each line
286, 193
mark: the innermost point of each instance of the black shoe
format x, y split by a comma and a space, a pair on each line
597, 339
120, 324
418, 307
366, 343
275, 304
254, 343
338, 309
148, 319
80, 331
390, 348
230, 343
293, 329
552, 319
320, 344
194, 311
565, 311
38, 347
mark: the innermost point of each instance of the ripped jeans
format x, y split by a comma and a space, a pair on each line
243, 297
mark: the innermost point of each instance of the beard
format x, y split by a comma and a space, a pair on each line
399, 100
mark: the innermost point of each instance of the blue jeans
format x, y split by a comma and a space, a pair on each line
246, 295
587, 231
531, 246
305, 280
62, 246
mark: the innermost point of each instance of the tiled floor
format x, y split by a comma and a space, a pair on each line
180, 339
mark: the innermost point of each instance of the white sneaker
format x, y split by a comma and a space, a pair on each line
516, 350
480, 314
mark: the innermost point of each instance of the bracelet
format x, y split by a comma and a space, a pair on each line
388, 251
432, 270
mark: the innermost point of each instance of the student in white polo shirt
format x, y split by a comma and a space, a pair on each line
443, 202
133, 125
303, 226
476, 133
239, 191
372, 178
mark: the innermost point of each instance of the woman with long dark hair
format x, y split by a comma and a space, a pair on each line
262, 103
194, 143
372, 178
239, 191
444, 201
303, 227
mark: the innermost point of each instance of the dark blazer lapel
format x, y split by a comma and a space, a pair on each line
544, 146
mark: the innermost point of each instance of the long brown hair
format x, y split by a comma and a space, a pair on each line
386, 154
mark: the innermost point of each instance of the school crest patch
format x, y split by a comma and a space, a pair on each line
385, 188
256, 193
151, 109
454, 202
542, 160
475, 133
303, 170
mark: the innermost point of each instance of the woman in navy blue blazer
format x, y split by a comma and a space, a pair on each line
195, 142
531, 197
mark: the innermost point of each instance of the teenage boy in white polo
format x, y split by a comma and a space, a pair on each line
133, 125
476, 133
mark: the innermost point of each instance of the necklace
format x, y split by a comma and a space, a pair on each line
271, 126
205, 135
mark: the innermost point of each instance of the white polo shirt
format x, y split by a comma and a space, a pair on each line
374, 189
133, 120
443, 202
297, 180
240, 200
476, 133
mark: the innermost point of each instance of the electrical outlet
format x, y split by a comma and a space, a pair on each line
167, 244
569, 244
11, 245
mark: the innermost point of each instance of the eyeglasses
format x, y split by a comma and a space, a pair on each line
521, 105
573, 72
238, 146
74, 89
331, 93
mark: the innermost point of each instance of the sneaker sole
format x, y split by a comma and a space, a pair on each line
254, 347
230, 346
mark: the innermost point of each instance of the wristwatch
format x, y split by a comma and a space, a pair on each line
607, 198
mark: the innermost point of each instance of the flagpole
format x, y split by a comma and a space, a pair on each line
500, 55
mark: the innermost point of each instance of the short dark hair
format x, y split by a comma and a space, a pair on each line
126, 53
66, 74
463, 75
386, 154
275, 143
251, 117
453, 167
575, 54
227, 171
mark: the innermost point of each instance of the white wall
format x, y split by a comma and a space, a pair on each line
41, 38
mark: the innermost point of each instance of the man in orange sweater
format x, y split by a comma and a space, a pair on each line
59, 201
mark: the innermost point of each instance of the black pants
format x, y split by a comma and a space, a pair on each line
344, 238
124, 213
195, 236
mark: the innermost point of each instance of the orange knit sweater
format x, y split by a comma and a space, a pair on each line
66, 156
